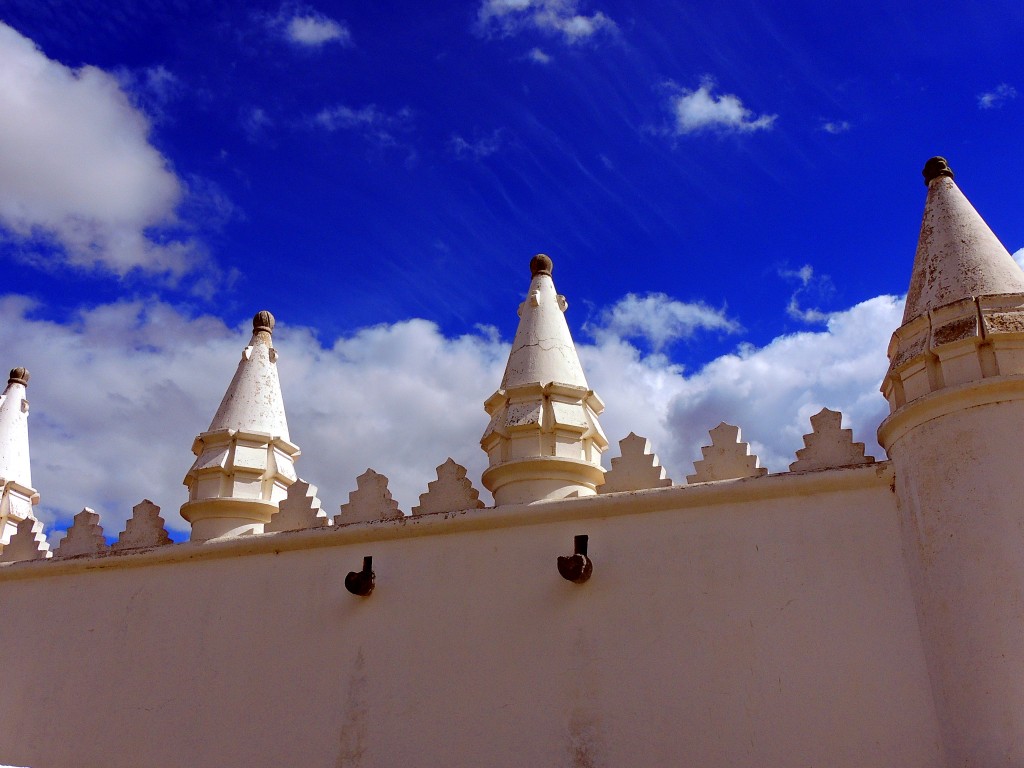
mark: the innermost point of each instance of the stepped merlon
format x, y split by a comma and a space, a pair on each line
245, 460
17, 496
544, 440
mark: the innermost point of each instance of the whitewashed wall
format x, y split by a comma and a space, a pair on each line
761, 622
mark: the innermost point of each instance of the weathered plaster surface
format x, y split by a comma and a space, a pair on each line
958, 256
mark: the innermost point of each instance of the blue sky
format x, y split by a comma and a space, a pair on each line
730, 191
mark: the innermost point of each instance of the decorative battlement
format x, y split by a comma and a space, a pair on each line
636, 471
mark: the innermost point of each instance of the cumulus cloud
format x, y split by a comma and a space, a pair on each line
658, 320
116, 399
116, 402
696, 111
80, 178
997, 97
772, 391
554, 17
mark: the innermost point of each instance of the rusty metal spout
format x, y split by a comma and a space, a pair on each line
577, 567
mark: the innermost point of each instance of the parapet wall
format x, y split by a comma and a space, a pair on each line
766, 621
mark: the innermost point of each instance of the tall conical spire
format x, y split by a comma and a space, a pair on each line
244, 461
16, 492
544, 440
965, 305
955, 386
958, 256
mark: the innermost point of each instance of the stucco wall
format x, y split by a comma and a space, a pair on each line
761, 622
961, 485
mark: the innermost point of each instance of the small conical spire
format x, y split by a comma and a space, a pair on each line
544, 440
16, 492
543, 351
244, 461
958, 256
253, 400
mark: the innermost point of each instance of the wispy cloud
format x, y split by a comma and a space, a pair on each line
997, 97
151, 89
835, 126
79, 172
560, 18
304, 26
700, 110
478, 149
375, 124
255, 121
658, 320
810, 286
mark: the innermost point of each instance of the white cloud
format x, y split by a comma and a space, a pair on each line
116, 402
1018, 256
998, 96
658, 319
771, 392
78, 169
701, 110
810, 286
554, 17
116, 399
835, 126
314, 29
537, 56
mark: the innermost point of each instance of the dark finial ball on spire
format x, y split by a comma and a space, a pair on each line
934, 168
540, 265
19, 376
263, 321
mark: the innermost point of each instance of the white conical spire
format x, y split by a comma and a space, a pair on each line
958, 256
244, 461
965, 305
544, 440
18, 495
543, 350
